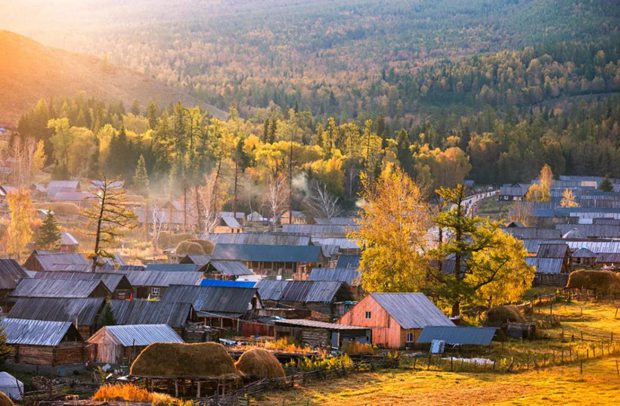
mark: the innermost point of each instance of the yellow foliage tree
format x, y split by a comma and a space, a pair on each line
541, 191
392, 229
568, 199
21, 212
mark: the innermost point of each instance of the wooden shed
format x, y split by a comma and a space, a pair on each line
42, 342
122, 344
313, 333
396, 319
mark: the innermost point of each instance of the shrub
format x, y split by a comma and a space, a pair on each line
357, 348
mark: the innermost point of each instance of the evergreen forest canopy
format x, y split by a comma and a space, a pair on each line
489, 90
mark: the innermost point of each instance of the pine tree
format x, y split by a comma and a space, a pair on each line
5, 349
49, 234
606, 185
106, 318
141, 177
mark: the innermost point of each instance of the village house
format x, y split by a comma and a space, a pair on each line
120, 345
41, 342
140, 311
10, 275
60, 288
319, 334
349, 276
68, 243
214, 269
153, 284
293, 217
62, 186
396, 319
82, 312
116, 282
272, 260
322, 300
41, 261
217, 306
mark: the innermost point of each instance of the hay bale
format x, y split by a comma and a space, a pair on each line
5, 400
180, 360
168, 239
207, 246
606, 282
500, 315
189, 248
258, 364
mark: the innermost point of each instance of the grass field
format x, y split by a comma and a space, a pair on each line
598, 385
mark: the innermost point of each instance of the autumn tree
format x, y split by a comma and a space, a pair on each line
568, 199
48, 235
276, 198
393, 223
109, 216
321, 202
489, 265
21, 216
541, 191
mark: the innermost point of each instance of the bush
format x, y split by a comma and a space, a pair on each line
357, 348
132, 393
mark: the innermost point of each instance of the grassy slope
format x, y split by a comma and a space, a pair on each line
558, 385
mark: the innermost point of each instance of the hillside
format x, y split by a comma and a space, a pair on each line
30, 71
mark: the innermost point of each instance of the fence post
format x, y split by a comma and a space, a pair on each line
451, 363
581, 366
415, 361
429, 362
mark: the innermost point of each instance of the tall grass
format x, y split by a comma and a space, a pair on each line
131, 393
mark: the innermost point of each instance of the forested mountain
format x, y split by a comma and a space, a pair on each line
30, 71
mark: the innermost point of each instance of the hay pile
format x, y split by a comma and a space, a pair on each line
500, 315
606, 282
259, 364
5, 400
177, 360
189, 248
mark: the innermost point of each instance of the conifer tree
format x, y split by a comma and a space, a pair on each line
606, 185
49, 234
106, 318
141, 177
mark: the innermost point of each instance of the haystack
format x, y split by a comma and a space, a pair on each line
606, 282
259, 364
207, 246
500, 315
189, 248
180, 360
5, 400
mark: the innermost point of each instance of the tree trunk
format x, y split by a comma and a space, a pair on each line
235, 189
199, 214
99, 223
184, 207
456, 309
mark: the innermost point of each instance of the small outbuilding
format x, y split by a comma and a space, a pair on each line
11, 386
122, 344
313, 333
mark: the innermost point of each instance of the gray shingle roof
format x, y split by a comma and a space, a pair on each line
319, 230
234, 268
37, 332
348, 261
112, 280
546, 265
458, 335
260, 238
163, 278
552, 251
267, 253
140, 335
317, 324
583, 253
172, 267
213, 299
59, 261
299, 291
10, 274
57, 288
346, 275
148, 312
412, 310
533, 233
84, 311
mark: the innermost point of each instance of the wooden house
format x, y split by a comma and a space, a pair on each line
320, 334
226, 223
217, 306
47, 261
139, 311
60, 288
293, 217
41, 342
10, 275
396, 319
82, 312
62, 186
118, 345
325, 298
284, 260
68, 243
349, 276
153, 284
116, 282
583, 257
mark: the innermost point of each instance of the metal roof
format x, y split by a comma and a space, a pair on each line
112, 280
458, 335
139, 335
260, 238
120, 268
552, 250
216, 299
341, 242
267, 253
343, 221
172, 267
533, 233
317, 324
58, 288
235, 268
199, 260
589, 230
68, 239
149, 312
319, 230
59, 261
227, 283
348, 261
163, 278
36, 332
346, 275
583, 253
412, 310
230, 221
10, 274
546, 265
608, 257
608, 247
299, 291
83, 311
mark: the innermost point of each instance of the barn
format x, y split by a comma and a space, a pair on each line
396, 319
122, 344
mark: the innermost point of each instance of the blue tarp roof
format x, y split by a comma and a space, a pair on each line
458, 335
227, 284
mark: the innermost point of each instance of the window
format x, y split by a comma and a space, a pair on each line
368, 315
155, 292
409, 337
